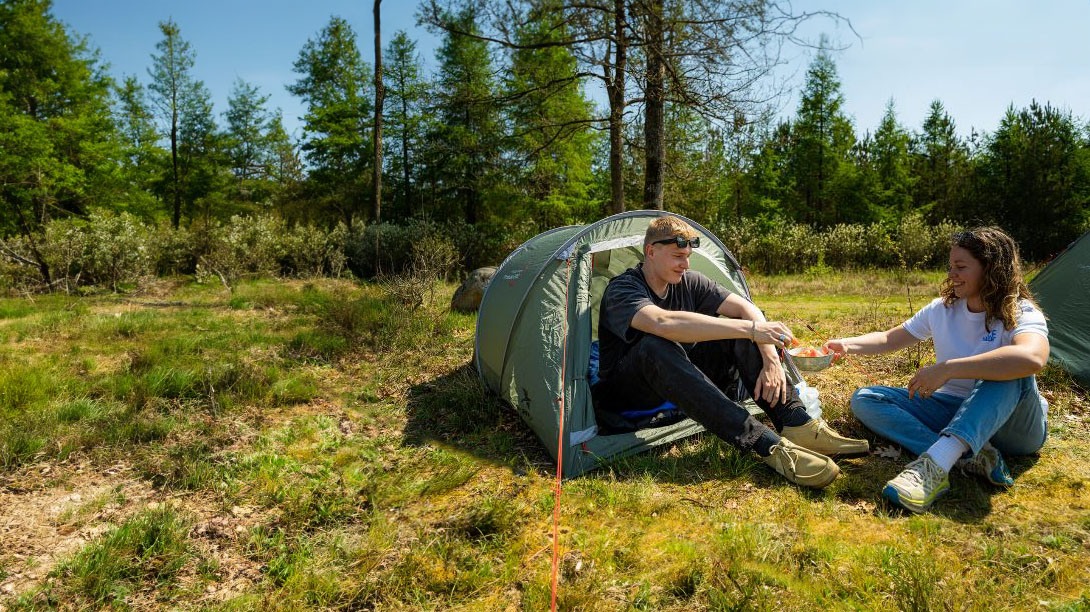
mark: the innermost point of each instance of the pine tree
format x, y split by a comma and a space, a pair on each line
405, 122
771, 177
1035, 179
181, 100
376, 134
334, 82
823, 138
203, 160
551, 120
889, 155
940, 162
286, 172
58, 144
469, 138
247, 122
143, 160
249, 130
697, 173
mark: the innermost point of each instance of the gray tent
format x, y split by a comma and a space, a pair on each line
1062, 289
539, 316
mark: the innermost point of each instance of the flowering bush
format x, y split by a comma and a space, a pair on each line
110, 249
117, 249
776, 246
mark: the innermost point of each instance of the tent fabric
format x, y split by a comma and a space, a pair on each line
538, 319
1062, 289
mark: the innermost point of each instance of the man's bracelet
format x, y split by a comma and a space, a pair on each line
753, 330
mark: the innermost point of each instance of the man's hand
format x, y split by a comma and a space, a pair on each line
771, 383
927, 380
773, 332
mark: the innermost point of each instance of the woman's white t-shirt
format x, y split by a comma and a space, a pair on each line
961, 333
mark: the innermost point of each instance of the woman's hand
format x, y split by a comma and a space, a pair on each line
927, 380
838, 347
771, 382
773, 332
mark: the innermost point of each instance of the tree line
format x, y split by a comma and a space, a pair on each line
503, 133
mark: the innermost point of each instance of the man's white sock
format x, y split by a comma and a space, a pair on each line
947, 450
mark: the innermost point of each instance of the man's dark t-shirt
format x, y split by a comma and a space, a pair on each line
628, 292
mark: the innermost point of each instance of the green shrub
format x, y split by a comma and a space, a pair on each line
487, 243
377, 249
117, 249
335, 244
174, 251
845, 245
774, 245
303, 251
740, 236
245, 246
64, 246
387, 249
111, 249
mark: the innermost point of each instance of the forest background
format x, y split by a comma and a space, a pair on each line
106, 181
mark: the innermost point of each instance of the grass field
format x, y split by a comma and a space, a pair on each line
313, 446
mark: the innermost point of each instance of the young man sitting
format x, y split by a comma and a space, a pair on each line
667, 333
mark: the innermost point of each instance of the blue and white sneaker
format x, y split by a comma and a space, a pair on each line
919, 485
989, 464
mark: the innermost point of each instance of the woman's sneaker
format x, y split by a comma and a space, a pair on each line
919, 485
989, 464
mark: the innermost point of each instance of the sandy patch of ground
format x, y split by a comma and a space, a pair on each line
48, 513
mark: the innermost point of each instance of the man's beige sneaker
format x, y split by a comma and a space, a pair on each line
816, 435
800, 465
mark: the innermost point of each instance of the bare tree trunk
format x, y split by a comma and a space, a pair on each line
24, 228
380, 95
405, 150
615, 91
654, 129
177, 188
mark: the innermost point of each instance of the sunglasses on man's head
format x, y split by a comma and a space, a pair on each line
680, 241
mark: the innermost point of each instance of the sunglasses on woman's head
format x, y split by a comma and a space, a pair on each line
965, 237
680, 241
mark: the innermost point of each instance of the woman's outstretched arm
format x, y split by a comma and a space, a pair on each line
874, 343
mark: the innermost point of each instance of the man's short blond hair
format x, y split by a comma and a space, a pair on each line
665, 227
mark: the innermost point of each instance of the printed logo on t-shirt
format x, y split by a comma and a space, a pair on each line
990, 337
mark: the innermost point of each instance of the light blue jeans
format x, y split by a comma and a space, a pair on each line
1009, 413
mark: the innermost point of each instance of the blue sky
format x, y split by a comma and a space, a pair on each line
977, 56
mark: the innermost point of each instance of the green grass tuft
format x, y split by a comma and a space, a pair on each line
147, 551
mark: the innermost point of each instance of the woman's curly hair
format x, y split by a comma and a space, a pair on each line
1002, 285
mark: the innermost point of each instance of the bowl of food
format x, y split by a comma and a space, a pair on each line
811, 359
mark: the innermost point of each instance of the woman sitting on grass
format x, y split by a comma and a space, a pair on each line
979, 400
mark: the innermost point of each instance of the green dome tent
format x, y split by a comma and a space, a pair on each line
1062, 288
539, 316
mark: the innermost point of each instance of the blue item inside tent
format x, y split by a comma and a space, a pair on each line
592, 376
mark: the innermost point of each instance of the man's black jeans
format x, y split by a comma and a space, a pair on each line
656, 370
